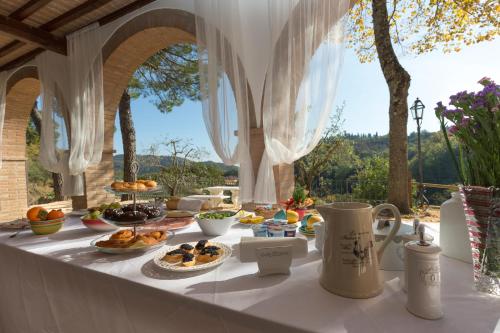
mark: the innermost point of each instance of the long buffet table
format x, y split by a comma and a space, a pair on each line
58, 283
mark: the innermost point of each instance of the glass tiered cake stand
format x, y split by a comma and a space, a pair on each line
138, 222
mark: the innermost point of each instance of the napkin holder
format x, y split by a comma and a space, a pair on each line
249, 246
274, 260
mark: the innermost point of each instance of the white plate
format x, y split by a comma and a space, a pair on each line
16, 224
79, 212
177, 267
120, 250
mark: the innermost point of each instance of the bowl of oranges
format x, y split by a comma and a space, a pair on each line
43, 222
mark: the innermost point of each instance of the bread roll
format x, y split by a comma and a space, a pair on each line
150, 183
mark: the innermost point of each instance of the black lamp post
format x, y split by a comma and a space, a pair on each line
417, 112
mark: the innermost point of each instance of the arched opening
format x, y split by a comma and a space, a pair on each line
22, 90
129, 47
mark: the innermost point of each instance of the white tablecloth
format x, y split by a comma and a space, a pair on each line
57, 283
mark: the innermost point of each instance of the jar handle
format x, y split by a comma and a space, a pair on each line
394, 229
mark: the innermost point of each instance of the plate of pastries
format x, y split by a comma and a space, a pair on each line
125, 241
194, 256
140, 185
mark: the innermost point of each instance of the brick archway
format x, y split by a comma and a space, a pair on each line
129, 47
23, 88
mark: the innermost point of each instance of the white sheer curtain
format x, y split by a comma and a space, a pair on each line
224, 86
86, 98
3, 96
72, 98
301, 81
53, 74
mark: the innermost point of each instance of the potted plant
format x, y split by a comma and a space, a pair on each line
474, 120
299, 202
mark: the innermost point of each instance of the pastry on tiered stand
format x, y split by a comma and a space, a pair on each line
140, 185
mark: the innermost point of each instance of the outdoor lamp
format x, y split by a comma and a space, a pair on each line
417, 110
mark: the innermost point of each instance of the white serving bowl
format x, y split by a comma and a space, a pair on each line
215, 227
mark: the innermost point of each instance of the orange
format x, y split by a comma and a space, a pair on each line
36, 214
55, 214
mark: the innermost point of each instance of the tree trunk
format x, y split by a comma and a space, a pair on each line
57, 181
128, 139
398, 82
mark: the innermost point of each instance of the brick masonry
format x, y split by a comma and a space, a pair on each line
13, 189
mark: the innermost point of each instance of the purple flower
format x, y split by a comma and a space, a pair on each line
452, 113
439, 109
452, 130
488, 89
485, 81
465, 122
459, 97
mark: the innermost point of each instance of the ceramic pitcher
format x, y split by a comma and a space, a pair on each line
350, 260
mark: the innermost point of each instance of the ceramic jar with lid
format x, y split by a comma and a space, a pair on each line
423, 278
413, 236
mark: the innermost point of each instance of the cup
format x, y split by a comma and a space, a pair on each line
259, 230
275, 231
290, 230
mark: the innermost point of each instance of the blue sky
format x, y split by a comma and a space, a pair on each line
435, 76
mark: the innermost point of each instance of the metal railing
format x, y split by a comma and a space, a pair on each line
376, 192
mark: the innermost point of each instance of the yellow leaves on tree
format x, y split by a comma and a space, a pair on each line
420, 26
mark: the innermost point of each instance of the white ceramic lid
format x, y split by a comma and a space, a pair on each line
429, 248
412, 237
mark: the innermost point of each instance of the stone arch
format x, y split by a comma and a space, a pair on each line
23, 88
130, 46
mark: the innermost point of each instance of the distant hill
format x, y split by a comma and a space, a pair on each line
366, 145
228, 170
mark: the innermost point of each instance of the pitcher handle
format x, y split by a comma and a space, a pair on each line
394, 229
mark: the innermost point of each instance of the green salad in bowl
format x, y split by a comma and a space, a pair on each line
216, 215
216, 223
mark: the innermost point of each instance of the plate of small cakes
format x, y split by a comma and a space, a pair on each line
129, 215
194, 256
125, 241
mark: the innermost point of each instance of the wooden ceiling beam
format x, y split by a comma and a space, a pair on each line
86, 7
11, 47
62, 20
31, 6
21, 60
20, 14
123, 11
31, 34
28, 9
